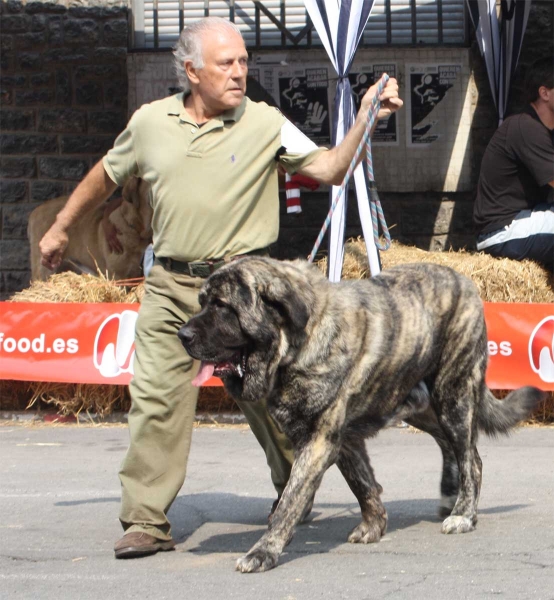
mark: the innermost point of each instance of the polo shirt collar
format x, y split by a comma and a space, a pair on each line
177, 108
532, 112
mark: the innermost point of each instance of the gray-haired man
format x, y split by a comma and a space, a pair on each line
210, 156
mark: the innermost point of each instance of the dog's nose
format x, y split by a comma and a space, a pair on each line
186, 335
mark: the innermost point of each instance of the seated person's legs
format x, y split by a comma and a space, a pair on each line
530, 235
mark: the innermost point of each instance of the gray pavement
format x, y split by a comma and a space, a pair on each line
59, 500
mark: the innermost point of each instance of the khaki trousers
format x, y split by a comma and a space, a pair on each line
164, 405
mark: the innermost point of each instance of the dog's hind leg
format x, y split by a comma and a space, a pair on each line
450, 477
306, 475
458, 419
355, 467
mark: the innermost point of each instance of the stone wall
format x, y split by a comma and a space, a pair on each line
63, 101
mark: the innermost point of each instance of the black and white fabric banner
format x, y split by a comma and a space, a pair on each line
340, 25
500, 42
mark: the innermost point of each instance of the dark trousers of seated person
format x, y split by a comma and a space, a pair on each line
529, 235
539, 248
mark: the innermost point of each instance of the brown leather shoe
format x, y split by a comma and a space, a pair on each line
136, 544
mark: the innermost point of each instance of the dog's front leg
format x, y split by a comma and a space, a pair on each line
353, 463
306, 475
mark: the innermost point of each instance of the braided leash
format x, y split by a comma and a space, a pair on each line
377, 215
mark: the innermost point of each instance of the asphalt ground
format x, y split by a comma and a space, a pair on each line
59, 501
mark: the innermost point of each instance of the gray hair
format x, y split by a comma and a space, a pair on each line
189, 46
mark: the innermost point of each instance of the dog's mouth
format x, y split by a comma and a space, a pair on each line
235, 366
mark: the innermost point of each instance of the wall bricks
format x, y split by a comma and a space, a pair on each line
14, 255
14, 221
27, 144
16, 24
43, 190
88, 94
30, 61
63, 168
13, 191
17, 120
106, 121
115, 33
64, 100
66, 120
81, 32
77, 144
17, 167
13, 281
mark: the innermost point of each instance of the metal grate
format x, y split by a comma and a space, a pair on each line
286, 24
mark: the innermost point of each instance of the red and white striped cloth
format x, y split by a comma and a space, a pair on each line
293, 183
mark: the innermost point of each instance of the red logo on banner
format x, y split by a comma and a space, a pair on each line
114, 346
541, 350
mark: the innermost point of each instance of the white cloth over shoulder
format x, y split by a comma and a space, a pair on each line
294, 140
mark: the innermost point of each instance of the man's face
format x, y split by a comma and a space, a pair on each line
221, 83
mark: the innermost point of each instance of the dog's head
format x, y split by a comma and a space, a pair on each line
253, 320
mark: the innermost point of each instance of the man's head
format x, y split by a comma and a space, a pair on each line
211, 58
540, 75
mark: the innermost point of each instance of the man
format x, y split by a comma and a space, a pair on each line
210, 156
513, 211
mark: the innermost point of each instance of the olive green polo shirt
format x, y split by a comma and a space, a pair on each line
214, 189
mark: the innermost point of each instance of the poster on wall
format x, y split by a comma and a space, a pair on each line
428, 88
361, 79
304, 99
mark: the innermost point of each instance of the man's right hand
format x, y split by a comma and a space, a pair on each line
95, 188
52, 247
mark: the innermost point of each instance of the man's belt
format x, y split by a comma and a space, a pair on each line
202, 268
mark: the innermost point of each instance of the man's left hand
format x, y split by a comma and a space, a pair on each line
390, 101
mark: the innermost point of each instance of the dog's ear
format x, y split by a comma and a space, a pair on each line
291, 302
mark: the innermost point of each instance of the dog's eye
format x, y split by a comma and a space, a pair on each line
219, 303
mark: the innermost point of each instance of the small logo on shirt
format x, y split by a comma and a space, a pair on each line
233, 158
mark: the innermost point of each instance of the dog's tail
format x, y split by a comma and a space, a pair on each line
499, 416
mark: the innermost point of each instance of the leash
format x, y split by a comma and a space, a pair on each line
377, 215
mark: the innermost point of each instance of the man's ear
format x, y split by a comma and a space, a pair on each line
544, 93
192, 72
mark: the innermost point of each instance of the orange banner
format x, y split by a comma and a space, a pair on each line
69, 343
94, 343
521, 345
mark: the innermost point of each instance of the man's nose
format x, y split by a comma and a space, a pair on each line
239, 70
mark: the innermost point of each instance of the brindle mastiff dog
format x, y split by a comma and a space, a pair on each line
337, 361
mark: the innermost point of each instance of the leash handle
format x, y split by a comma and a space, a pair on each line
364, 143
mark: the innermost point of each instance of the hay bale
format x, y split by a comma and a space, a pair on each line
498, 279
215, 400
72, 399
14, 395
72, 287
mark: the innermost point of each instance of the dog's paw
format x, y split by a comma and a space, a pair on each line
457, 524
257, 561
368, 533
